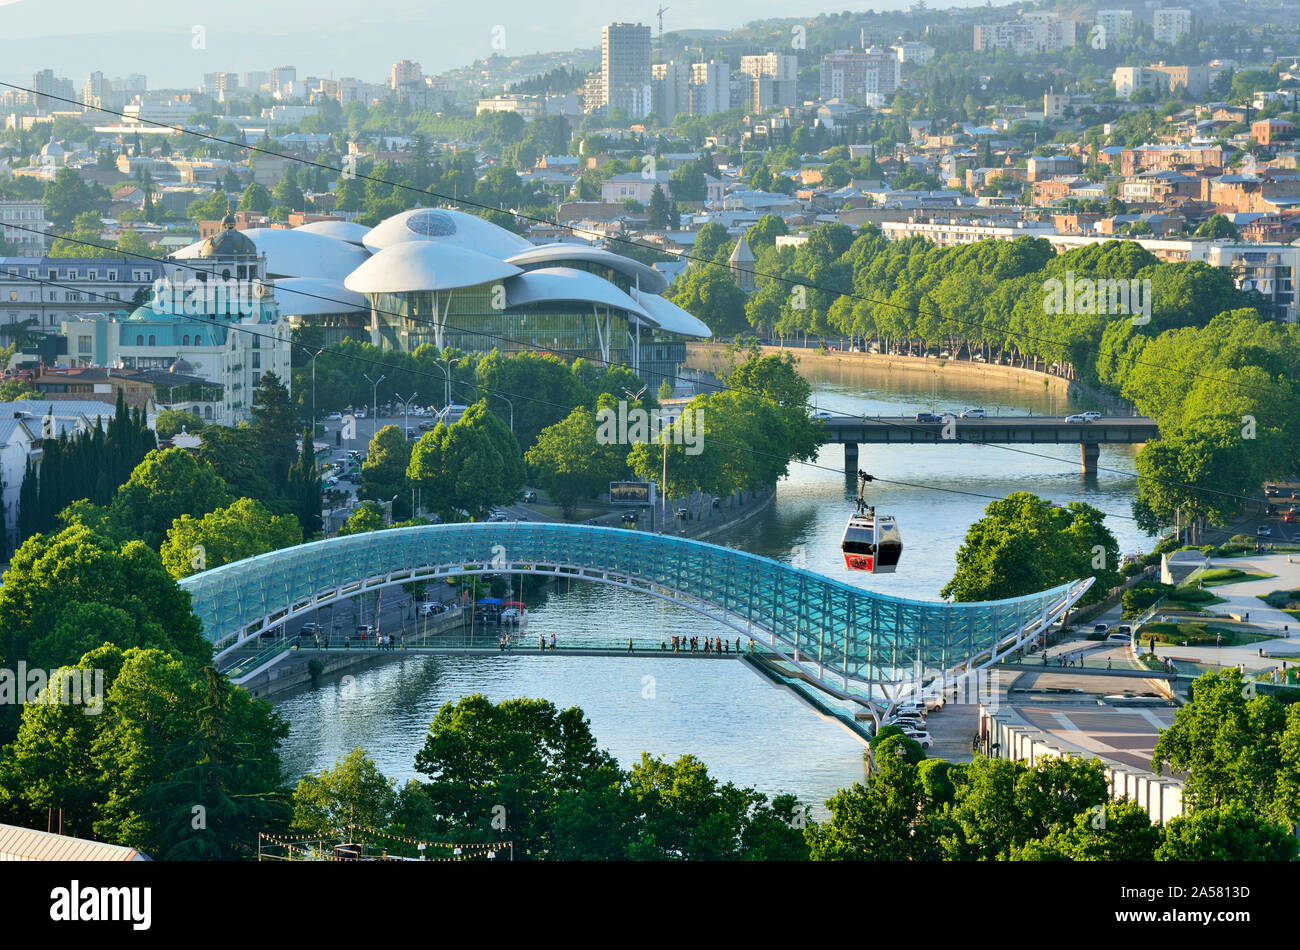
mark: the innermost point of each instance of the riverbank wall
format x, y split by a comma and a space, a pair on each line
712, 357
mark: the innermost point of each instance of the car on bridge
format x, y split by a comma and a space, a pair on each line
821, 415
1078, 419
974, 413
927, 417
1092, 415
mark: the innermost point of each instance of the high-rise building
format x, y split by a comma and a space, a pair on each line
773, 80
96, 90
625, 68
256, 80
670, 90
868, 77
710, 90
1170, 26
283, 78
44, 85
404, 71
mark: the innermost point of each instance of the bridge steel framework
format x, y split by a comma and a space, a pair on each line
854, 644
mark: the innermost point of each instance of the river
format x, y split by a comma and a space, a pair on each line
744, 729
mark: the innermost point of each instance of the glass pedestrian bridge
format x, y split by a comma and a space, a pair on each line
851, 643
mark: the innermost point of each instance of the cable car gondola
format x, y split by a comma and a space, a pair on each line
871, 542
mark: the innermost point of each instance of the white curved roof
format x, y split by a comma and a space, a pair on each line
304, 296
293, 253
426, 265
445, 226
647, 278
565, 283
348, 231
670, 317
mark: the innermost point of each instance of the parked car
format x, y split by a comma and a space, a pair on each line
974, 413
924, 738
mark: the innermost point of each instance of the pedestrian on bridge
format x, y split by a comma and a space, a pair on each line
552, 641
629, 644
541, 642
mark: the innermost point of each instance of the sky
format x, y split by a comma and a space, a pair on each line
162, 38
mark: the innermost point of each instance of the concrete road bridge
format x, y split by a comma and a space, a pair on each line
852, 431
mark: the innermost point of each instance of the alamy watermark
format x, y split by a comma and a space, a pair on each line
1098, 295
626, 426
215, 296
63, 687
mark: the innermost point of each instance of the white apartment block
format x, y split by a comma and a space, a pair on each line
773, 80
710, 90
1171, 25
919, 53
1032, 33
1115, 23
670, 89
25, 214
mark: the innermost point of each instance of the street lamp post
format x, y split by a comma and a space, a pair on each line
512, 410
407, 404
447, 373
374, 405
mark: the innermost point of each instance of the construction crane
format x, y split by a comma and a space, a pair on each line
660, 14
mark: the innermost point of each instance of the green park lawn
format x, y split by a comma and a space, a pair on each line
1217, 577
1187, 633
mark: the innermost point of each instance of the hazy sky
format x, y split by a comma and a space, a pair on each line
324, 37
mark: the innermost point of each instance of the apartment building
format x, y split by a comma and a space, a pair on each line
1170, 26
868, 77
772, 79
19, 217
1032, 33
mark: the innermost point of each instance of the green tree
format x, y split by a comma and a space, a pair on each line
275, 427
239, 530
1232, 832
352, 800
1237, 748
1025, 544
383, 473
305, 488
571, 463
255, 199
369, 516
171, 421
657, 213
470, 467
512, 761
162, 488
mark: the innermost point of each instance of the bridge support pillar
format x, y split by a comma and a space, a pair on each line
851, 458
1088, 454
